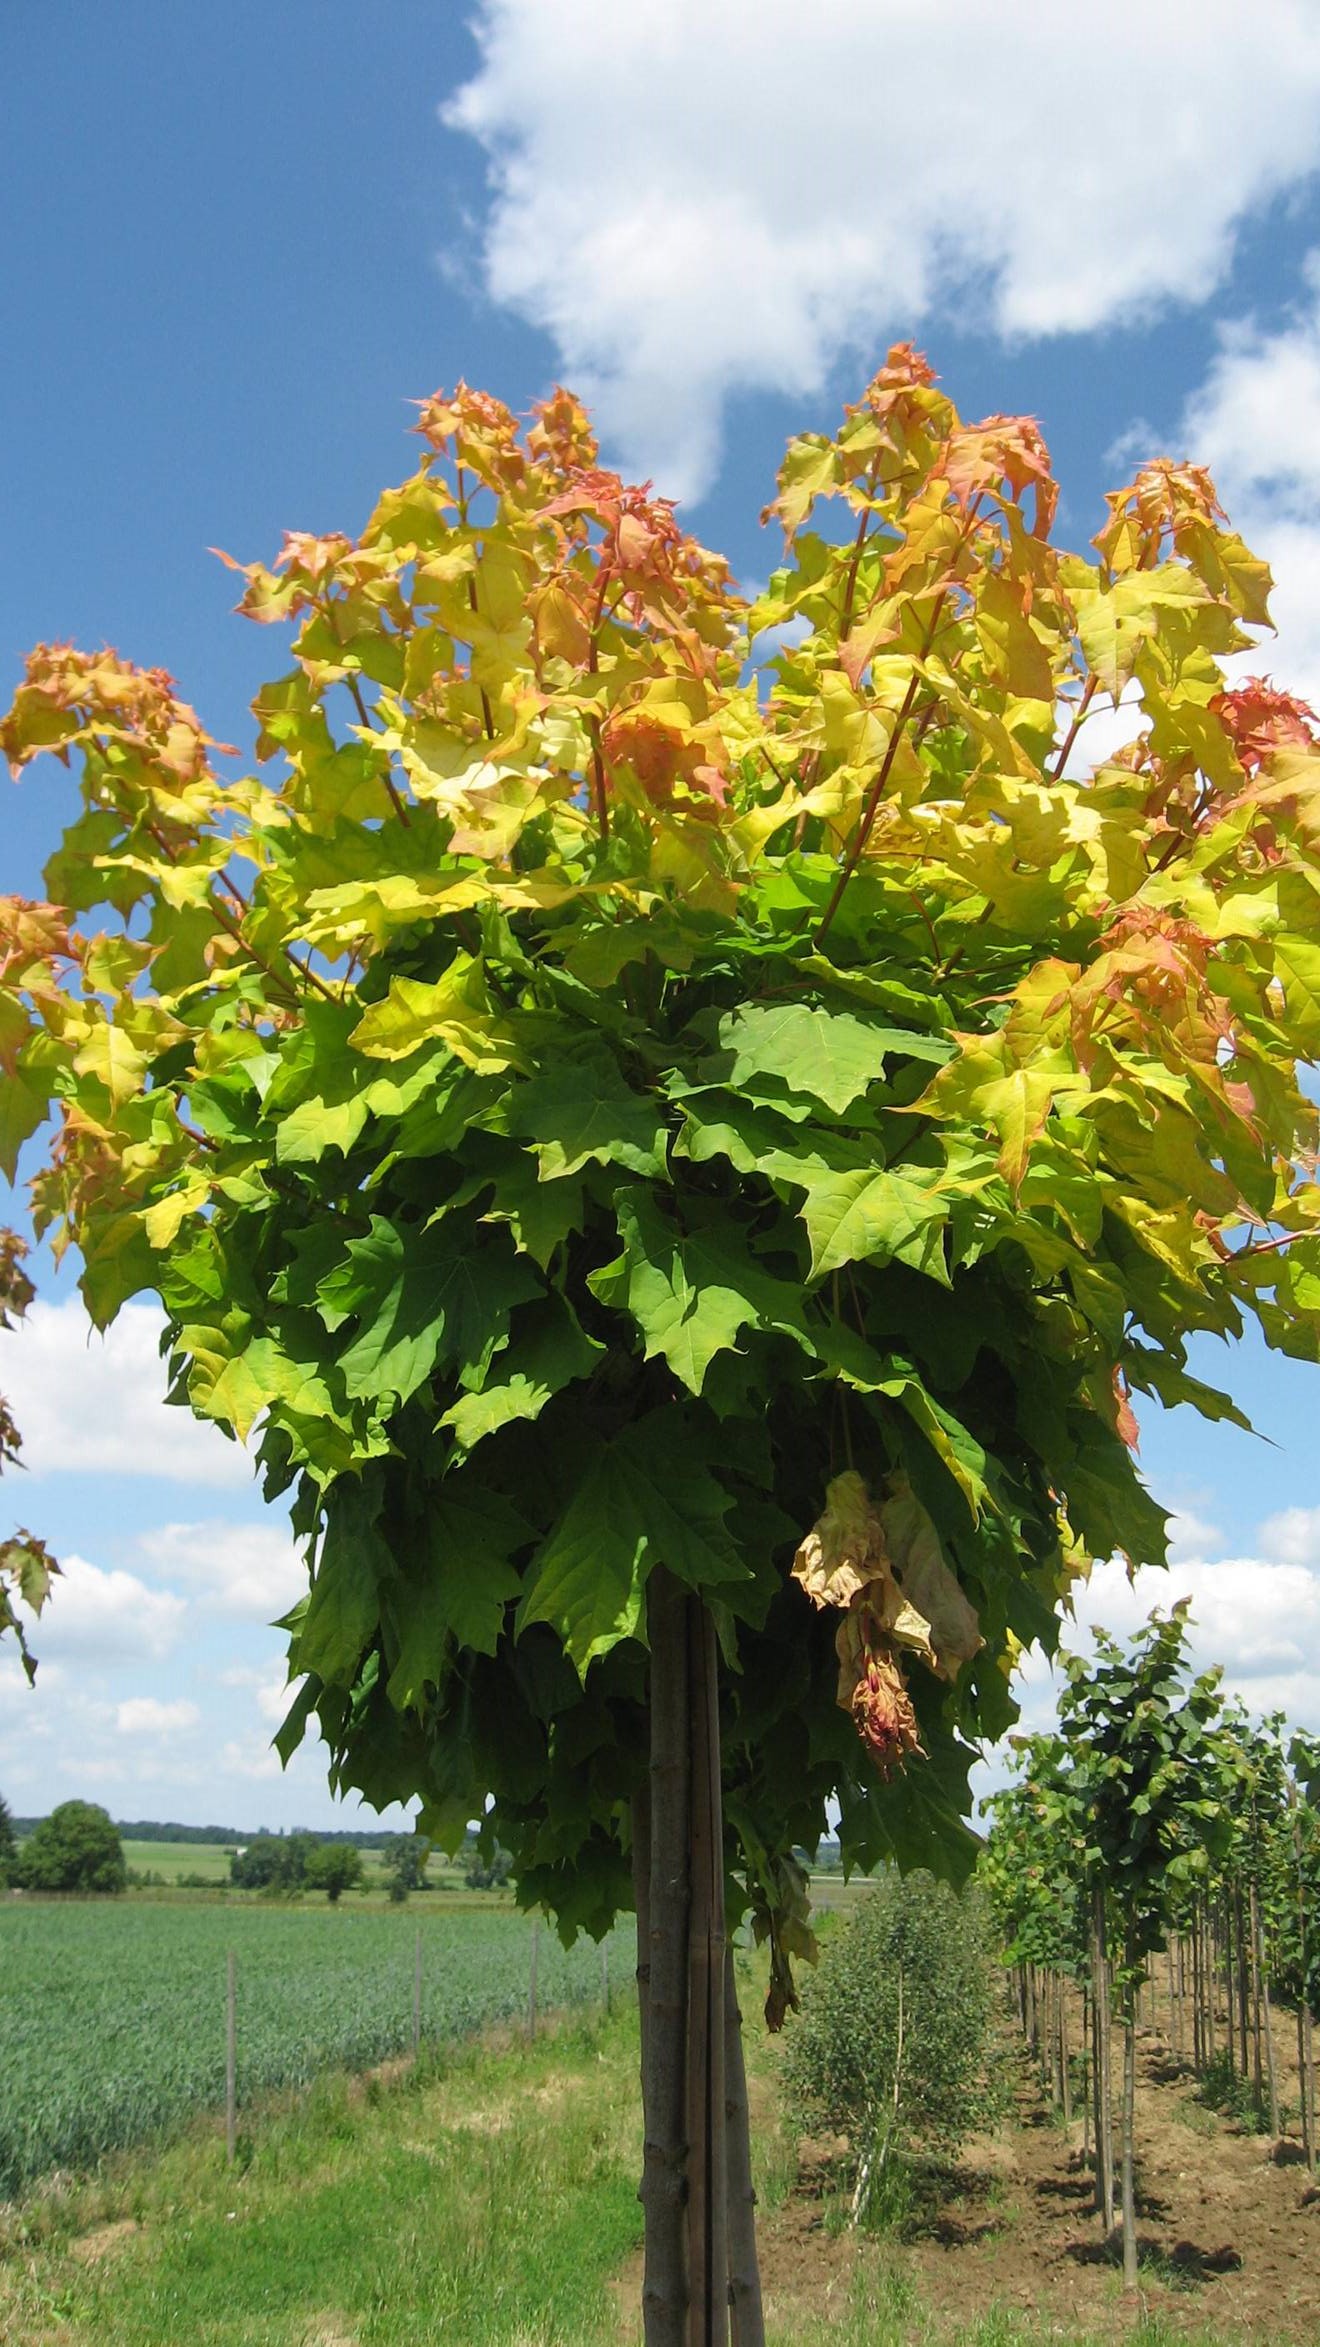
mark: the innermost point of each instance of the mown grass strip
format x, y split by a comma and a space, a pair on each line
486, 2197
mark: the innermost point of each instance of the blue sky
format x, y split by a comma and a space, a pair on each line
236, 243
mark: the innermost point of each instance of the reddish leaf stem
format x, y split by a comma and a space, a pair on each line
228, 924
1079, 719
871, 810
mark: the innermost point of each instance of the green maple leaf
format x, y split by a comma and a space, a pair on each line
333, 1624
691, 1290
757, 1137
424, 1299
582, 1111
828, 1056
540, 1214
24, 1106
675, 1287
649, 1498
548, 1350
870, 1215
461, 1598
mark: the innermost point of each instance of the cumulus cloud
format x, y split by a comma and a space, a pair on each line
699, 197
97, 1615
272, 1694
1256, 1616
250, 1760
1292, 1537
1255, 421
146, 1715
251, 1571
90, 1404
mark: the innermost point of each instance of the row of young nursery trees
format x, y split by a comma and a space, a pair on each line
1160, 1821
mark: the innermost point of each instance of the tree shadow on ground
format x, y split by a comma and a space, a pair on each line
1185, 2266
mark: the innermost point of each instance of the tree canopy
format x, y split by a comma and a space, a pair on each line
636, 1079
76, 1848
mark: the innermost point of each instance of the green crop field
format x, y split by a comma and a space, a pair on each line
169, 1860
114, 2013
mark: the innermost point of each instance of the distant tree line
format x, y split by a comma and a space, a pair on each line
285, 1863
147, 1829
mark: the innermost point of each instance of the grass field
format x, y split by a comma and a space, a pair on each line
172, 1859
487, 2198
115, 2012
171, 1863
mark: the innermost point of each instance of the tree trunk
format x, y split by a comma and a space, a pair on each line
696, 2187
1198, 2034
1256, 1978
1208, 1979
1243, 1991
641, 1867
1065, 2081
1104, 2137
1229, 2026
1088, 2043
664, 2094
746, 2322
707, 2110
1305, 2064
1309, 2085
1264, 2017
1129, 2129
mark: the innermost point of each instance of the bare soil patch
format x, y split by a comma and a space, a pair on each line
1228, 2223
90, 2248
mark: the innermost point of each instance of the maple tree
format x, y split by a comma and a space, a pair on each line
1160, 1820
27, 1567
1142, 1780
593, 1109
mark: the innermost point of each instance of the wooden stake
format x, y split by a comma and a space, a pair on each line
747, 2321
1129, 2129
231, 2061
664, 2169
707, 2201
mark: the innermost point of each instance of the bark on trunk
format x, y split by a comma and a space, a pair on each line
1104, 2137
1264, 2017
1309, 2085
1257, 1988
746, 2321
664, 2170
1305, 2064
1243, 1984
697, 2163
1129, 2128
708, 2207
641, 1868
1230, 2037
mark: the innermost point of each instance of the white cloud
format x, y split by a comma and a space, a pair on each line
1255, 421
146, 1715
95, 1616
272, 1695
252, 1571
697, 197
91, 1404
1191, 1537
1293, 1537
250, 1759
1256, 1616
